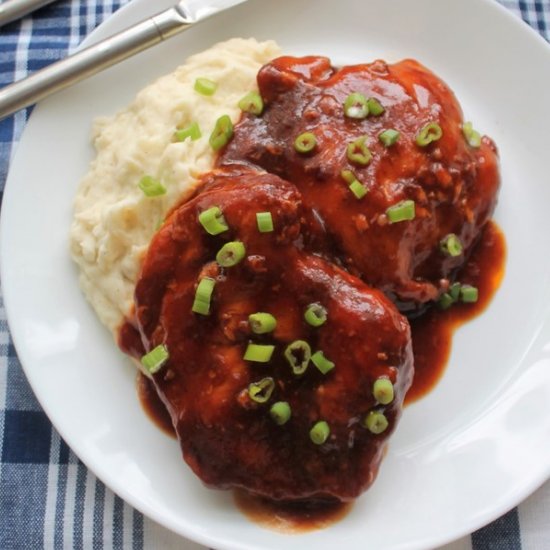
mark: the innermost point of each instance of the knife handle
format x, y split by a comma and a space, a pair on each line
91, 60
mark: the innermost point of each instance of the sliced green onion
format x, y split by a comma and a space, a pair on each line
231, 254
445, 301
451, 245
375, 107
305, 143
261, 391
389, 137
155, 359
315, 315
321, 362
355, 106
265, 222
376, 422
319, 433
213, 221
205, 86
280, 412
192, 131
252, 103
428, 134
222, 133
203, 296
298, 354
348, 176
358, 152
358, 189
402, 211
258, 353
472, 136
382, 390
355, 186
151, 187
262, 323
454, 291
469, 294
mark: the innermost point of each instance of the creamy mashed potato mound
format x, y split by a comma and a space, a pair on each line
113, 220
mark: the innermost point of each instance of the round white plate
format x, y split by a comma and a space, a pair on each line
473, 448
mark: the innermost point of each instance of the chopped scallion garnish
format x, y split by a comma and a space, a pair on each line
205, 86
213, 221
429, 133
445, 301
319, 433
375, 107
454, 291
389, 137
155, 359
348, 176
252, 103
298, 354
222, 133
376, 422
355, 106
262, 323
451, 245
472, 136
261, 391
358, 152
280, 412
258, 353
402, 211
305, 143
469, 294
230, 254
265, 222
315, 315
358, 189
321, 362
151, 187
192, 131
203, 296
382, 390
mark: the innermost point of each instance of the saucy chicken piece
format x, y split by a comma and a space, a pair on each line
453, 181
280, 424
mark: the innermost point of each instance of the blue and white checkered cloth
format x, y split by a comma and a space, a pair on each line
48, 499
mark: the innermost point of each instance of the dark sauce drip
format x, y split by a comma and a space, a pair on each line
153, 405
432, 333
291, 517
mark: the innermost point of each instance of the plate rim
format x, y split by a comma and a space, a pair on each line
114, 19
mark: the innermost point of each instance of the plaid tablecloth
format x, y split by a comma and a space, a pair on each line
48, 499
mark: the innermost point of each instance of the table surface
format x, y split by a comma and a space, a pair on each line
48, 498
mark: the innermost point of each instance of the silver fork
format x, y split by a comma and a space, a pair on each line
11, 10
108, 52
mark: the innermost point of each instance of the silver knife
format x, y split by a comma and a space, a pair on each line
10, 10
106, 53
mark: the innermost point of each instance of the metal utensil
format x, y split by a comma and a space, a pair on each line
106, 53
10, 10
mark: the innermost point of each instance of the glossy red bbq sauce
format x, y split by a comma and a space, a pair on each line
290, 518
153, 405
432, 340
432, 333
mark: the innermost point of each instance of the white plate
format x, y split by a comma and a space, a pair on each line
473, 448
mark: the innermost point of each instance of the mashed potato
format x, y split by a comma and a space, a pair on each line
114, 221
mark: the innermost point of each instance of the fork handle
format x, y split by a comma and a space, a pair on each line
91, 60
11, 10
